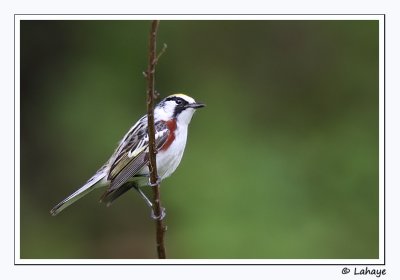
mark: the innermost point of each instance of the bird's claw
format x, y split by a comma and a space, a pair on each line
154, 184
160, 217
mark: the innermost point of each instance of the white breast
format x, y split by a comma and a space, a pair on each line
168, 161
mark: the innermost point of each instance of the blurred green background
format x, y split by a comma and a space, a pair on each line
282, 163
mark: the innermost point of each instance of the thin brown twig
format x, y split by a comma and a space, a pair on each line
162, 52
151, 96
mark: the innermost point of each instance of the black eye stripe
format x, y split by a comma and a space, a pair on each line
178, 100
172, 98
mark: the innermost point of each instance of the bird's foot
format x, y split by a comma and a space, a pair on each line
154, 184
160, 217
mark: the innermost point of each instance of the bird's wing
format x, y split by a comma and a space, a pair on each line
132, 153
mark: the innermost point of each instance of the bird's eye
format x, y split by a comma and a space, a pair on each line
178, 101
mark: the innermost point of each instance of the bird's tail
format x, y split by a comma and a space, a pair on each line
90, 185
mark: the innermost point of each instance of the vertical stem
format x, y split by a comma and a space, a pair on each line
150, 73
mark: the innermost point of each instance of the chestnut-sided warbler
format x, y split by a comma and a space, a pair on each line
128, 166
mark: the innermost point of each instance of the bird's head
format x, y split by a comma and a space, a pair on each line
178, 106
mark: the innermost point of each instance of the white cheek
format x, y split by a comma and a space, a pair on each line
164, 112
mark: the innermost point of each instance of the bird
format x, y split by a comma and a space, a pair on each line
127, 168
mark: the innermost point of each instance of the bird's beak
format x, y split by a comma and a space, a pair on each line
195, 105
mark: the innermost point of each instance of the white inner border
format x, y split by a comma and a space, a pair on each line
380, 18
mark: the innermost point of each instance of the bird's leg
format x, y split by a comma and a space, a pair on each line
150, 204
146, 199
